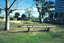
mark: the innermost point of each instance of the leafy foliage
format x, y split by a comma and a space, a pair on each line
29, 12
23, 15
17, 14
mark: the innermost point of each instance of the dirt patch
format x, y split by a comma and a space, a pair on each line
15, 21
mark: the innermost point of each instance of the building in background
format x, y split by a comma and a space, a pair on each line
59, 9
59, 6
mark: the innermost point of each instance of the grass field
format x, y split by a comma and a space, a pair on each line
17, 35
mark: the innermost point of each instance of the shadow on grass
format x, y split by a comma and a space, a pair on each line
60, 24
30, 31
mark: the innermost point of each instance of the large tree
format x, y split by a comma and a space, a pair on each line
45, 7
39, 9
7, 11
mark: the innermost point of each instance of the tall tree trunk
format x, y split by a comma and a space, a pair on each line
7, 15
29, 16
40, 17
7, 20
39, 12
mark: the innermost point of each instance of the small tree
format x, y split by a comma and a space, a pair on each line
28, 11
7, 11
2, 18
23, 16
17, 15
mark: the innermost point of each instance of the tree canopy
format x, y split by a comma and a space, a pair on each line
17, 14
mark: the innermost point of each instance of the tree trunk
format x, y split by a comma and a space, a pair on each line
39, 12
7, 20
28, 16
40, 18
7, 15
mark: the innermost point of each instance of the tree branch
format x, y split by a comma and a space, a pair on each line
18, 4
12, 4
2, 6
26, 8
30, 6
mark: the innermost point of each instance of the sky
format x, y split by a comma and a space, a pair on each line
24, 5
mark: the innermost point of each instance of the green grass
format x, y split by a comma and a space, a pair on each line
26, 38
15, 35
